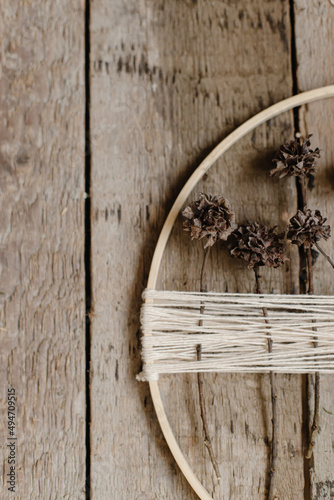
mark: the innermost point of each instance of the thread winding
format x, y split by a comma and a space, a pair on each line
233, 333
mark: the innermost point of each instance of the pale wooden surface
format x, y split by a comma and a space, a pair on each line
314, 52
170, 79
42, 314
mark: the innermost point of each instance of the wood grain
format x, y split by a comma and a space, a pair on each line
314, 37
42, 313
168, 81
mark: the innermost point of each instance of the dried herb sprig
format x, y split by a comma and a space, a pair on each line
295, 158
261, 246
208, 217
306, 228
258, 245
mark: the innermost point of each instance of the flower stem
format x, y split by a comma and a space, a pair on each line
309, 269
205, 260
207, 439
303, 191
316, 413
324, 254
273, 399
316, 417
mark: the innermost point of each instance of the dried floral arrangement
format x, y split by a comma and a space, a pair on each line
212, 219
199, 332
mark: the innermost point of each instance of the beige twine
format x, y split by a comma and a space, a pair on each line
233, 333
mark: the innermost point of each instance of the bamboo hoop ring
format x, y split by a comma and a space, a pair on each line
217, 152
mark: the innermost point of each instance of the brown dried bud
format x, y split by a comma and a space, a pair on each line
209, 216
258, 245
295, 158
308, 226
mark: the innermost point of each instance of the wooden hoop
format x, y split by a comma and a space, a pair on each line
223, 146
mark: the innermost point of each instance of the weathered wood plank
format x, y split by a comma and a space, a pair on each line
42, 314
169, 80
314, 39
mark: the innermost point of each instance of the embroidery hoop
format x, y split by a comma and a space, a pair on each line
216, 153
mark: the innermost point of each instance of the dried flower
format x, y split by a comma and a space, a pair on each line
209, 216
308, 226
295, 158
258, 245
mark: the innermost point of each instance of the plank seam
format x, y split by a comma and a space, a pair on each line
88, 271
302, 257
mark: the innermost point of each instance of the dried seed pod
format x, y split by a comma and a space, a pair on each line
209, 217
308, 226
295, 158
258, 245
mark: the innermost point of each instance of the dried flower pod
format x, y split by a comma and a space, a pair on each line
308, 226
209, 216
258, 245
295, 158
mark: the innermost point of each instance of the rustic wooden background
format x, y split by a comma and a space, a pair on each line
121, 100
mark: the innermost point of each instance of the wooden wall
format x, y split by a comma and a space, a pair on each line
166, 81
